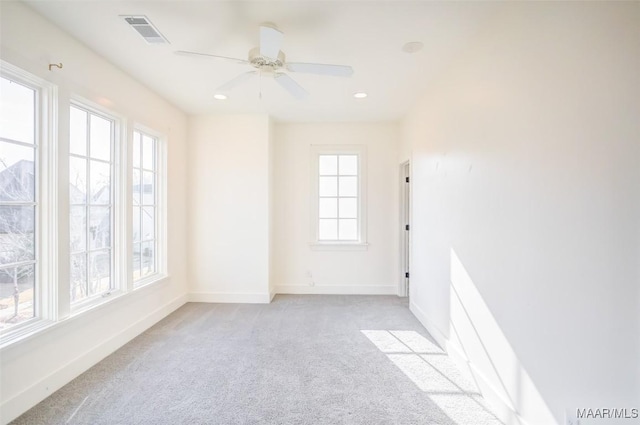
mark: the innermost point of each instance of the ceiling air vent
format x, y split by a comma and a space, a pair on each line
145, 28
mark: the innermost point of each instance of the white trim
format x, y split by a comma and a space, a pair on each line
404, 218
338, 246
230, 297
338, 289
20, 403
433, 330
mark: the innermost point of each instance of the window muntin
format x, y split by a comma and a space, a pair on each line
91, 168
19, 207
145, 205
338, 198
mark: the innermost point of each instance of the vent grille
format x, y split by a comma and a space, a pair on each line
145, 28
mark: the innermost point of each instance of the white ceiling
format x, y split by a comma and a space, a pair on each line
368, 35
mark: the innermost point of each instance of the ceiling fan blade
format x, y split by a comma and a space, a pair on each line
236, 81
270, 42
196, 54
322, 69
291, 86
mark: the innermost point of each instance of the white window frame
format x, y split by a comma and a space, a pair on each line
361, 242
119, 206
160, 209
46, 193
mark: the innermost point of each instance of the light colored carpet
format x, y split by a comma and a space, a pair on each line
303, 359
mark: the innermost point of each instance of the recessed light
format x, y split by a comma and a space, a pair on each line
412, 47
360, 95
219, 96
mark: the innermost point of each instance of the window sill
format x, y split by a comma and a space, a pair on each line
149, 280
339, 246
26, 332
41, 326
90, 304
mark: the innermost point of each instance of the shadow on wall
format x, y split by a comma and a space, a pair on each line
476, 338
435, 374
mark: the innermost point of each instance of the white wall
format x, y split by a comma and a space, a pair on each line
526, 205
371, 271
33, 368
229, 208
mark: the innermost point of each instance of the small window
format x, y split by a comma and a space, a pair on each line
145, 205
338, 213
91, 171
19, 205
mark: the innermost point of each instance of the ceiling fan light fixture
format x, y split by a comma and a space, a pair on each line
220, 96
360, 95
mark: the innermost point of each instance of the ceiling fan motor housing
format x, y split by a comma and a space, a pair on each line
264, 63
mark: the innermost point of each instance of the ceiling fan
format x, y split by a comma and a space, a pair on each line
269, 60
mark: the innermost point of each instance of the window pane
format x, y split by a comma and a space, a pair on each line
328, 208
348, 186
17, 111
136, 149
136, 224
348, 208
99, 272
348, 230
148, 153
148, 258
99, 227
100, 182
148, 223
136, 260
77, 180
328, 230
17, 292
348, 165
328, 164
78, 276
328, 186
78, 228
78, 132
137, 186
100, 138
148, 188
17, 241
17, 171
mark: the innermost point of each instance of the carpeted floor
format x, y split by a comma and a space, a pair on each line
300, 360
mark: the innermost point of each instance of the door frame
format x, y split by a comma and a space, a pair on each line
405, 229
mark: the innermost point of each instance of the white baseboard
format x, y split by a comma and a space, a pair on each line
20, 403
338, 289
230, 297
433, 330
503, 409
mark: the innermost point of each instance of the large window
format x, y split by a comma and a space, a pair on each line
145, 205
338, 195
91, 150
18, 202
113, 211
